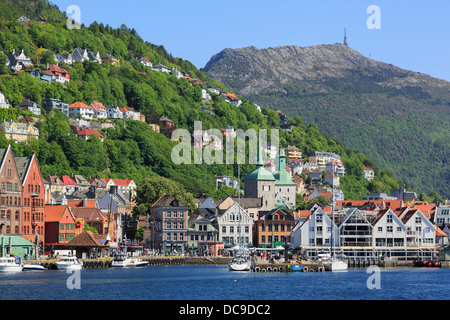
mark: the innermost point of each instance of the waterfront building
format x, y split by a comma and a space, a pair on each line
203, 234
405, 234
17, 246
10, 195
168, 220
273, 228
235, 226
33, 199
59, 227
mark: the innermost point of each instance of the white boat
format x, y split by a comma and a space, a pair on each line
11, 264
137, 263
240, 263
32, 267
335, 264
69, 263
123, 260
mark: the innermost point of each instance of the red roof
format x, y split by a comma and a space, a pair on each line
146, 60
119, 182
68, 180
54, 213
80, 105
54, 68
88, 132
123, 110
98, 106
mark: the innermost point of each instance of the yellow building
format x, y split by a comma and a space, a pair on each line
19, 131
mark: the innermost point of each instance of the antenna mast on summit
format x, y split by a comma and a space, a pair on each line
345, 35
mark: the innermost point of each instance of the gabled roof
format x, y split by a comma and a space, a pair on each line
68, 181
23, 166
166, 201
55, 213
98, 106
80, 105
88, 132
54, 68
85, 239
88, 214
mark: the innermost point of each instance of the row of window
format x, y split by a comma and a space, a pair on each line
274, 227
66, 226
37, 230
232, 240
175, 237
175, 214
238, 228
175, 225
66, 237
271, 239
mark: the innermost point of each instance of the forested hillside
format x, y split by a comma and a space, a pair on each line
131, 149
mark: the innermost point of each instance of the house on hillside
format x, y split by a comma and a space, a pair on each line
79, 109
110, 59
146, 62
18, 131
113, 112
57, 73
50, 104
161, 68
31, 106
87, 132
64, 58
18, 60
99, 110
4, 103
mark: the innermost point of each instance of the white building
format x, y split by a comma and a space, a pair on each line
369, 174
4, 103
114, 112
161, 68
78, 109
235, 226
146, 62
369, 233
442, 215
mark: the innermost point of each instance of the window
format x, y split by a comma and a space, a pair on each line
418, 220
247, 229
231, 229
224, 229
389, 219
389, 229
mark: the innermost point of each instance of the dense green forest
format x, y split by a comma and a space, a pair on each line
131, 149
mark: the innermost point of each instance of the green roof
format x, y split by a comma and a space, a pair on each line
16, 241
283, 177
259, 174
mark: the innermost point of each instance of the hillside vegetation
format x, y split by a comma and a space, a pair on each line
131, 149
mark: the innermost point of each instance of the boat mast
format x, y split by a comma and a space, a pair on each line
332, 212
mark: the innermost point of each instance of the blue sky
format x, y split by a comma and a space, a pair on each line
414, 35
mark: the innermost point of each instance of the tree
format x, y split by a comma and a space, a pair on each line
151, 189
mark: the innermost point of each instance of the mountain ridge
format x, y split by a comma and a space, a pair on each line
387, 112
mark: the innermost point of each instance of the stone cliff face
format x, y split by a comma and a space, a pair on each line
251, 70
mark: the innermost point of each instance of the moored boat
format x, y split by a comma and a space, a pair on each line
33, 267
11, 264
241, 262
69, 263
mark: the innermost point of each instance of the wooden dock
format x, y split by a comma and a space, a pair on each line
288, 267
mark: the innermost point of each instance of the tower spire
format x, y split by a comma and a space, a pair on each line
345, 35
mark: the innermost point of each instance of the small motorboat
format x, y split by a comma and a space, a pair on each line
123, 260
137, 263
11, 264
69, 263
33, 267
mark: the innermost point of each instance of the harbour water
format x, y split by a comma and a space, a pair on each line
192, 283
